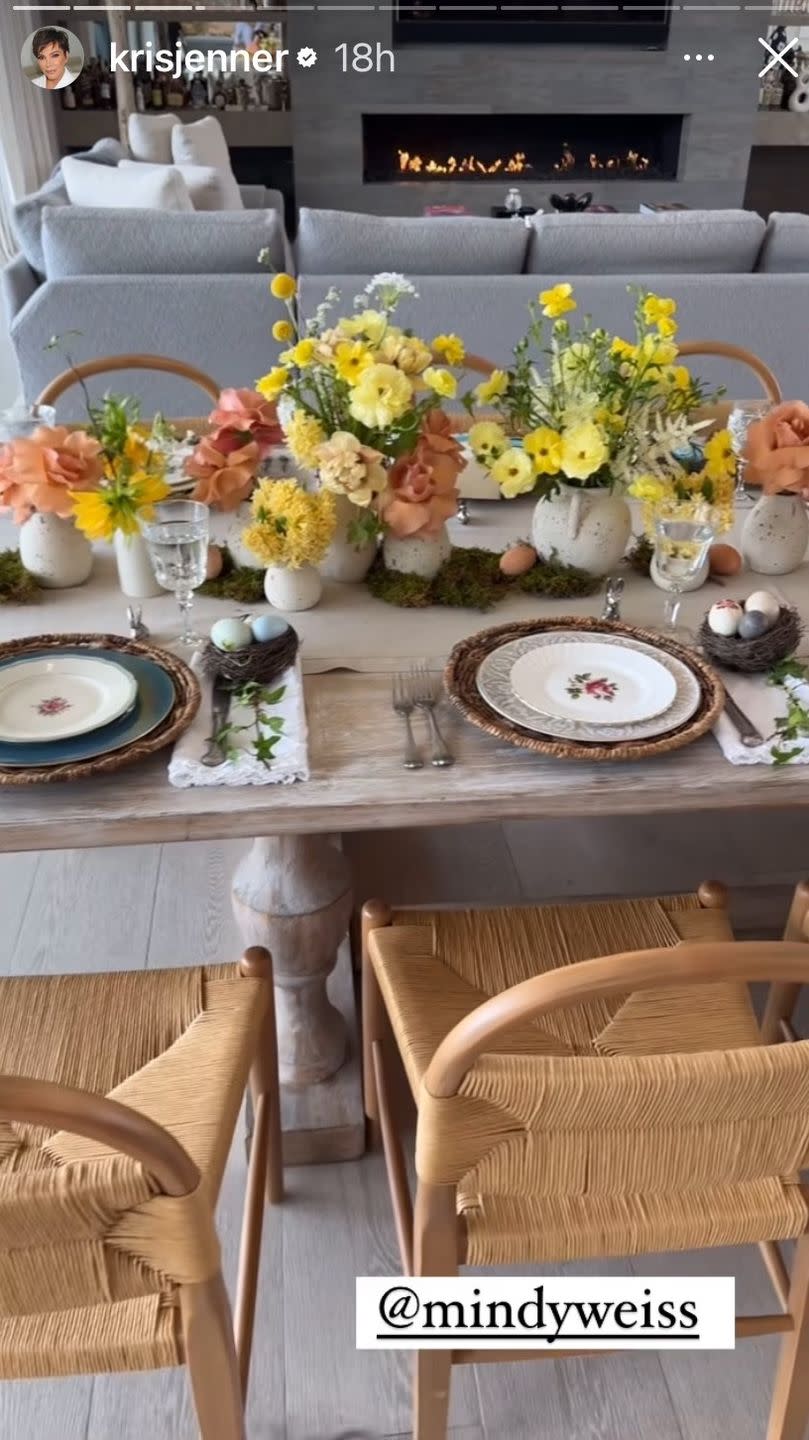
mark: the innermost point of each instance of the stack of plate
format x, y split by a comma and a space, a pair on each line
597, 689
65, 705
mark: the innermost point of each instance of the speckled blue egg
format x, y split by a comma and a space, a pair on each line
267, 627
231, 634
752, 624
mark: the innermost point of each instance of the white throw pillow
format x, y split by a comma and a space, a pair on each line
200, 143
159, 187
150, 137
209, 188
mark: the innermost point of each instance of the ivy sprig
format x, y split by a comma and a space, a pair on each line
266, 729
794, 725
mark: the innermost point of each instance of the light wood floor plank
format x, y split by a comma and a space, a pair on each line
46, 1409
193, 923
17, 877
461, 866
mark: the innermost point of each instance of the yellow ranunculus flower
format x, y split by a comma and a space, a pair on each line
350, 359
283, 331
584, 450
493, 388
558, 301
283, 287
514, 473
656, 351
655, 309
449, 348
301, 354
272, 384
544, 446
649, 489
440, 381
720, 461
370, 324
487, 440
381, 396
406, 352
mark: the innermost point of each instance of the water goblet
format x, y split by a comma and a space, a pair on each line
176, 538
680, 551
742, 416
20, 421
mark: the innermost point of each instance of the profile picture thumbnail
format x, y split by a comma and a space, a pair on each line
52, 57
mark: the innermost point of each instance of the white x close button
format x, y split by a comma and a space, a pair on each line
777, 57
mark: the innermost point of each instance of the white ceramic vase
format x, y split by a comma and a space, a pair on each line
55, 552
345, 560
293, 589
237, 521
775, 535
421, 555
663, 582
135, 574
586, 528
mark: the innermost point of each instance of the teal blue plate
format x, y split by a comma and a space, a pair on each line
156, 697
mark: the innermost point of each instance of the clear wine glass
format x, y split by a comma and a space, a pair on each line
680, 551
177, 540
741, 417
21, 420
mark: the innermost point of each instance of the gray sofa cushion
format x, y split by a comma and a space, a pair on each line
338, 241
28, 212
682, 242
80, 240
786, 245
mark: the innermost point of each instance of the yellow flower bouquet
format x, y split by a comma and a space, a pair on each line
358, 393
699, 487
585, 408
290, 527
132, 481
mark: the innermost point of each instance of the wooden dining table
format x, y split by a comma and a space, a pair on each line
292, 891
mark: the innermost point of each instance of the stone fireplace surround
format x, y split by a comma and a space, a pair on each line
718, 100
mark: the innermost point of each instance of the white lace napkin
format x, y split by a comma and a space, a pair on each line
763, 704
290, 761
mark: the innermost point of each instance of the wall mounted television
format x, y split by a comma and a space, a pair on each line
599, 22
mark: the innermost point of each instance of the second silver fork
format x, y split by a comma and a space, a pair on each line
425, 692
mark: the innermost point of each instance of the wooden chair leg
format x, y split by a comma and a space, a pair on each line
250, 1246
375, 916
435, 1253
789, 1414
256, 963
210, 1355
782, 998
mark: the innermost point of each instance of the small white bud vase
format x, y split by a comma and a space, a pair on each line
421, 555
586, 528
135, 574
775, 535
291, 590
345, 560
55, 552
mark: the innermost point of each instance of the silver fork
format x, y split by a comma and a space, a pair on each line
404, 704
426, 693
220, 707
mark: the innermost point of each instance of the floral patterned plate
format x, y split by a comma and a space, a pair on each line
599, 684
495, 685
61, 696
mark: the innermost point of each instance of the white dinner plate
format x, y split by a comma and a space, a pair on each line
494, 684
59, 697
593, 683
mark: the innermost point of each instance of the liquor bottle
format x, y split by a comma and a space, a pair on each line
199, 93
175, 93
219, 96
157, 94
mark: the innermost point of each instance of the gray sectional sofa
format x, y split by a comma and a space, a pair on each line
189, 285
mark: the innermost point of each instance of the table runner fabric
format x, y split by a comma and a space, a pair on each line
291, 760
763, 704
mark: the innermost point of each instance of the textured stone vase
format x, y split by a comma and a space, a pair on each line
345, 560
135, 574
421, 555
293, 589
586, 528
55, 552
775, 535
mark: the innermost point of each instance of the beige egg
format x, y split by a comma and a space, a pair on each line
213, 567
517, 560
724, 560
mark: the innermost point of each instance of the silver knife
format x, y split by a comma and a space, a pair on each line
748, 734
220, 706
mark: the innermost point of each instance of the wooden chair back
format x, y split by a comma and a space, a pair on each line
108, 364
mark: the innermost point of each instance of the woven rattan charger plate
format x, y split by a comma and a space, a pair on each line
460, 679
185, 707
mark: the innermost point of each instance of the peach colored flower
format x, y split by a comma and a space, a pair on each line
438, 448
421, 493
247, 412
777, 448
224, 468
38, 472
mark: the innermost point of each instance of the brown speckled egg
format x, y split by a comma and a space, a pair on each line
517, 560
213, 567
724, 560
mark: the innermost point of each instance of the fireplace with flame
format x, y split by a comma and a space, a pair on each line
407, 148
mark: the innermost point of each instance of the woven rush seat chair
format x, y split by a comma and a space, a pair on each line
590, 1081
119, 1096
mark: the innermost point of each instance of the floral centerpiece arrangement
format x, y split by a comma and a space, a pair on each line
225, 463
700, 488
290, 532
776, 530
40, 474
360, 401
581, 415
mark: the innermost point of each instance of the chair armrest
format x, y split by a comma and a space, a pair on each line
18, 284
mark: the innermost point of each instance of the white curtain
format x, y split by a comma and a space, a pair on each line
28, 145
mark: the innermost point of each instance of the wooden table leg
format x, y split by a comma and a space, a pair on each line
293, 894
